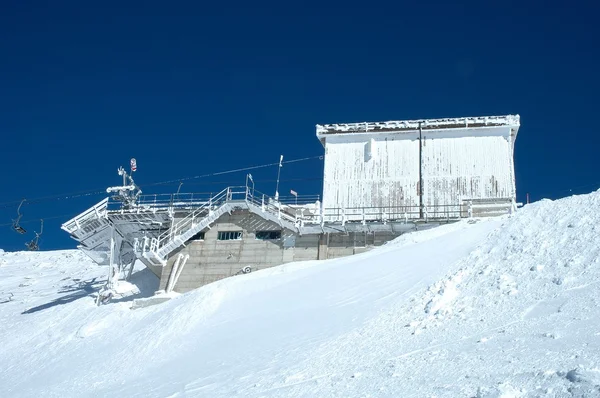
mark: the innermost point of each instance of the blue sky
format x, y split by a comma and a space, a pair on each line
190, 89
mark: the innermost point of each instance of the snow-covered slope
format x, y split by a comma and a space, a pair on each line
489, 308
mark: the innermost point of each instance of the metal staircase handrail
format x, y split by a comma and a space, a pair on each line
267, 205
177, 228
225, 196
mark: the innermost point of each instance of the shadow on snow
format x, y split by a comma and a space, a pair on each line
78, 290
146, 282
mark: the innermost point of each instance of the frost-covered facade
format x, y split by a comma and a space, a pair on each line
413, 166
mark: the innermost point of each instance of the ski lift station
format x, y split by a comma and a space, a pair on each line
380, 180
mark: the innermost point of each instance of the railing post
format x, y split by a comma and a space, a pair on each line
470, 208
322, 215
426, 213
262, 203
343, 217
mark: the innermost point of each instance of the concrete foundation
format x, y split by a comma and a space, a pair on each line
211, 259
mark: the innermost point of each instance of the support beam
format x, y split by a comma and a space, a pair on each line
420, 171
173, 273
181, 265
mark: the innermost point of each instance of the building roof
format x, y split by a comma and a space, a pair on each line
324, 130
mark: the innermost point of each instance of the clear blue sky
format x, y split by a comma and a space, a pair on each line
191, 89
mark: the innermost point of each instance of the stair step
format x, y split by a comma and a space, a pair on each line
185, 234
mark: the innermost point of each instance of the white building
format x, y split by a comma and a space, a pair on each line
434, 166
380, 180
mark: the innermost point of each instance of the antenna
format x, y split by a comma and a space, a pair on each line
128, 193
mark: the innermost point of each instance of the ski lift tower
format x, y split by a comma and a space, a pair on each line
127, 194
117, 230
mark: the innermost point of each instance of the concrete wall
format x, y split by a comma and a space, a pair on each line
211, 260
341, 245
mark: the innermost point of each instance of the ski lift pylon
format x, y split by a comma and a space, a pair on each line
15, 225
34, 244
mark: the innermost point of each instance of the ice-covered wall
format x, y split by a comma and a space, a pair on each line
375, 169
371, 170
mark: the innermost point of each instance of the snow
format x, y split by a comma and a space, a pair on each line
462, 122
505, 307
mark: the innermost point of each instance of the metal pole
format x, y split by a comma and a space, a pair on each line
249, 177
278, 173
112, 258
420, 171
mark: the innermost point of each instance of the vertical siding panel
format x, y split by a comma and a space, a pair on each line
466, 164
457, 164
389, 178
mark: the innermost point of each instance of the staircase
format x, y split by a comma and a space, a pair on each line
270, 211
157, 250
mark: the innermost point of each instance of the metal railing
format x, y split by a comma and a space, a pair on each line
163, 201
386, 213
295, 210
268, 204
200, 213
95, 212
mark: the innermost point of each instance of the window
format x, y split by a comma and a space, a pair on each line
230, 235
198, 236
268, 235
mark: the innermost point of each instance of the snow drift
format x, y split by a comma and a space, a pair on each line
488, 308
